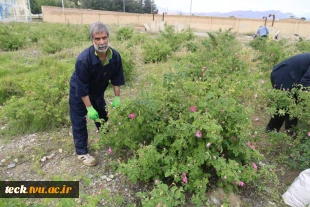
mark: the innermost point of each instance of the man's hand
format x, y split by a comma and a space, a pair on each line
92, 113
116, 102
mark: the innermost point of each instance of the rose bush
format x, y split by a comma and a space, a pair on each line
188, 131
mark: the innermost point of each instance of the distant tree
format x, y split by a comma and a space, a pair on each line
35, 5
131, 6
116, 5
303, 18
232, 17
148, 6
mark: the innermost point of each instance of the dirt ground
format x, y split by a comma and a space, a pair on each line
26, 155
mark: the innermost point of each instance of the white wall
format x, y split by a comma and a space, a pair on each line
14, 10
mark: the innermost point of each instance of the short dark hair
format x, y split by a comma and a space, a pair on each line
98, 27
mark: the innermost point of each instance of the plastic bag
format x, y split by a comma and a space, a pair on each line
298, 194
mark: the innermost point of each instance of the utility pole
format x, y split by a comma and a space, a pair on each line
63, 8
29, 10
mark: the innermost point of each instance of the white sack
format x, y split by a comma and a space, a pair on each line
298, 194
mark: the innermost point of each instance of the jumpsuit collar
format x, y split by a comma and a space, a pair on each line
109, 56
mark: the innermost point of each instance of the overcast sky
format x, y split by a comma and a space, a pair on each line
297, 7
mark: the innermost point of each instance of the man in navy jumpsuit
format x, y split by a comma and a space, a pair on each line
292, 71
94, 68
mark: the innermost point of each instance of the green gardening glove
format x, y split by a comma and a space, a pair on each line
116, 102
92, 113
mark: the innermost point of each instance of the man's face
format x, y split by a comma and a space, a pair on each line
101, 42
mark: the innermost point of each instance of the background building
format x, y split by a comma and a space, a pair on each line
14, 10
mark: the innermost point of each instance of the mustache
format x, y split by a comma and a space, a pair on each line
103, 45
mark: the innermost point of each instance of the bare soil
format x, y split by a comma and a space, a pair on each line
27, 151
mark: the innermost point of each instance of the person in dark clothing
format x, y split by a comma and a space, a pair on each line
94, 68
285, 75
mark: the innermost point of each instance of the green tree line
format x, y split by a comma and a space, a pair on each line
132, 6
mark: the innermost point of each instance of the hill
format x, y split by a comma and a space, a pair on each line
249, 14
238, 14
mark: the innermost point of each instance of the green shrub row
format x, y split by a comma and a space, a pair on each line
44, 102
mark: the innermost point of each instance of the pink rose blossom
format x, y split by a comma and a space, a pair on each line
241, 183
184, 178
208, 145
156, 181
188, 165
198, 133
214, 157
308, 134
254, 165
294, 134
250, 146
193, 109
131, 116
110, 151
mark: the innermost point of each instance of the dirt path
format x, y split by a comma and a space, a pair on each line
50, 156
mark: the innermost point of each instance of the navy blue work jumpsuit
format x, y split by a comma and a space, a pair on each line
294, 70
91, 78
